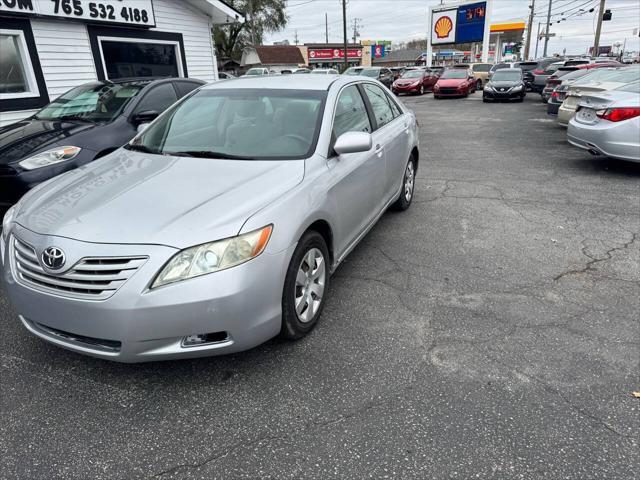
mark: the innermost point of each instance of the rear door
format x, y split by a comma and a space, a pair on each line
390, 137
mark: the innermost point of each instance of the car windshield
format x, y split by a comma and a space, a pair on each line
621, 75
370, 72
551, 68
499, 66
412, 74
94, 102
353, 71
455, 73
482, 67
505, 75
633, 87
255, 71
246, 124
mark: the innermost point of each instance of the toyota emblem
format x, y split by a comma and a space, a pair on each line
53, 258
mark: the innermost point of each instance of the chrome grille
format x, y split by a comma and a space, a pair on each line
90, 279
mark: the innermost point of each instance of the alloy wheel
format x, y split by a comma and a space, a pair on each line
409, 181
310, 282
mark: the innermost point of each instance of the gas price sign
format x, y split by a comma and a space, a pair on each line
470, 25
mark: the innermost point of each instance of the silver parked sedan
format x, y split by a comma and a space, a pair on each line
218, 227
609, 123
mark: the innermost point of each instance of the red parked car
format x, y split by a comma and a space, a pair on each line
415, 81
455, 82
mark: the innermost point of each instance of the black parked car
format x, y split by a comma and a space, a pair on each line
527, 72
84, 124
505, 84
382, 74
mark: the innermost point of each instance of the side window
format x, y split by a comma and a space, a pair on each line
380, 104
159, 98
185, 87
394, 107
351, 113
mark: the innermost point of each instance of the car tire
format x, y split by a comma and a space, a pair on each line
484, 100
408, 186
307, 280
479, 85
421, 89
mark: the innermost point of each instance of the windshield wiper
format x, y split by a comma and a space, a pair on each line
140, 148
206, 154
74, 117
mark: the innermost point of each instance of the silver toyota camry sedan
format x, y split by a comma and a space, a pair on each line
218, 227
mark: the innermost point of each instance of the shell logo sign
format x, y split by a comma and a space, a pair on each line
443, 26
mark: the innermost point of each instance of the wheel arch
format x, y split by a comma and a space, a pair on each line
324, 228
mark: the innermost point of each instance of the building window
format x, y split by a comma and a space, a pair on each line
128, 52
124, 58
22, 85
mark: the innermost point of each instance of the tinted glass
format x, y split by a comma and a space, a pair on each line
12, 77
505, 75
526, 66
483, 67
99, 102
499, 66
569, 63
380, 104
351, 113
251, 124
455, 73
551, 69
185, 87
370, 72
130, 59
159, 98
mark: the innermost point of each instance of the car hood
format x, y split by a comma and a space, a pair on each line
24, 139
450, 82
407, 81
504, 84
136, 198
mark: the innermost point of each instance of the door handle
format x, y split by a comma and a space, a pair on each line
379, 150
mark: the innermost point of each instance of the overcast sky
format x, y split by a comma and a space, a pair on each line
402, 20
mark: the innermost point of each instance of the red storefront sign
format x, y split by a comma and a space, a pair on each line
333, 53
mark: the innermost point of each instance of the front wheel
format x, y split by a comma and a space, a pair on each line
408, 186
479, 85
305, 287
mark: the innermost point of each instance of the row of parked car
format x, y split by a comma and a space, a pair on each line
599, 106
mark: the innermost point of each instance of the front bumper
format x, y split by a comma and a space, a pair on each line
610, 139
565, 114
408, 89
137, 324
450, 92
508, 95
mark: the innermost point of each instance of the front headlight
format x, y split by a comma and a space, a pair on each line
213, 257
487, 88
50, 157
517, 88
6, 222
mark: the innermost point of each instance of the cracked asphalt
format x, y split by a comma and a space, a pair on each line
492, 332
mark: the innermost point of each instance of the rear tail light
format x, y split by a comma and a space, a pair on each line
554, 94
619, 114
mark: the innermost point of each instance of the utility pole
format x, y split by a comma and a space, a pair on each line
356, 33
546, 33
326, 28
529, 27
596, 46
538, 39
344, 32
296, 38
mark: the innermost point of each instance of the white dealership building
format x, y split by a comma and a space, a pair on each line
50, 46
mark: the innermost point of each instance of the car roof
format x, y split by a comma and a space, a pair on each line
143, 81
282, 82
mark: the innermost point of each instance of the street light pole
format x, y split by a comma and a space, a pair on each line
529, 27
546, 33
596, 45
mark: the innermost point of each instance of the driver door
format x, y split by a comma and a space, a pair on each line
358, 178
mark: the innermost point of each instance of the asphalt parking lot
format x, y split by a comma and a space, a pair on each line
492, 331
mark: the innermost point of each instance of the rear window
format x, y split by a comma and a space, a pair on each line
568, 63
483, 67
526, 66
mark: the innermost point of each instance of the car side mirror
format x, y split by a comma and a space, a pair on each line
353, 142
146, 116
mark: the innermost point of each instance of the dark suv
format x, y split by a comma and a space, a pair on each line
84, 124
527, 72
